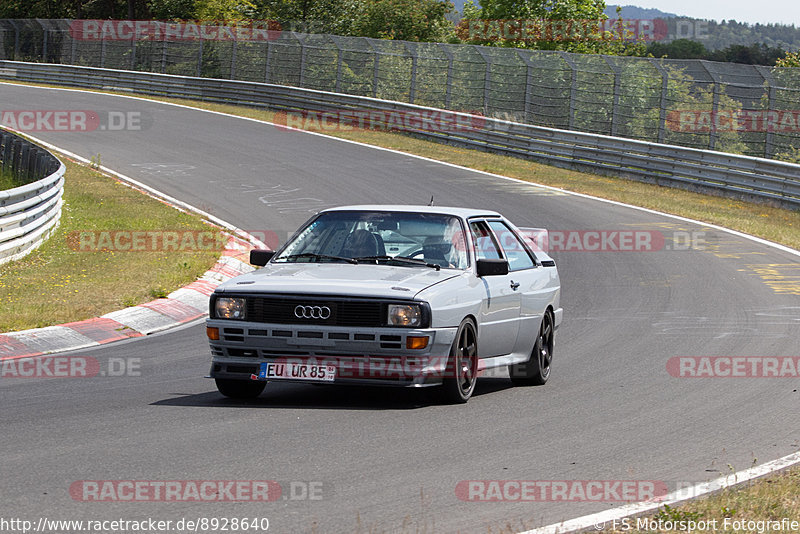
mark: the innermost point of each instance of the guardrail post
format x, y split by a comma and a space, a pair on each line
8, 147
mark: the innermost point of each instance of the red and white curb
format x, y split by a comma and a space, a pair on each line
182, 306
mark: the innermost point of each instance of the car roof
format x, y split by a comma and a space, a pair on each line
446, 210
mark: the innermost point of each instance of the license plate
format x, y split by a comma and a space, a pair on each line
297, 371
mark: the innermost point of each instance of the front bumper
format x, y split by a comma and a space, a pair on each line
367, 356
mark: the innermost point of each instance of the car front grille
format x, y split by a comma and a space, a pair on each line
281, 310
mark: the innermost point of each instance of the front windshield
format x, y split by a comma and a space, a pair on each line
395, 237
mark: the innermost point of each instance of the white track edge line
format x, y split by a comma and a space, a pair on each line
600, 521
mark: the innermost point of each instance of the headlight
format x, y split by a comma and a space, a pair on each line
404, 315
229, 308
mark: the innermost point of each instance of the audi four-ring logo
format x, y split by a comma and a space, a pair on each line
312, 312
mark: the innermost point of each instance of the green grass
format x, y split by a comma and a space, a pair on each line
770, 498
9, 181
59, 283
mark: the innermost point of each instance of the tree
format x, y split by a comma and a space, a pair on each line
572, 25
791, 59
310, 16
679, 49
223, 9
404, 20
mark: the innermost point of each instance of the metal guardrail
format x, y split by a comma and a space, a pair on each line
718, 173
29, 213
726, 107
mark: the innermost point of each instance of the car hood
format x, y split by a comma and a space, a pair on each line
339, 279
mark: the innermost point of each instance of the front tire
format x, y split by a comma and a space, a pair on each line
536, 370
461, 372
240, 389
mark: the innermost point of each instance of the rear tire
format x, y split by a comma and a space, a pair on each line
240, 389
461, 372
536, 370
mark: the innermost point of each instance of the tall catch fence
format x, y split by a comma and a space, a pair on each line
744, 109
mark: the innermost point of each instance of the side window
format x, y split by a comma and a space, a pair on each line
516, 253
485, 245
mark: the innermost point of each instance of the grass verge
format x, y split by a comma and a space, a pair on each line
743, 509
59, 282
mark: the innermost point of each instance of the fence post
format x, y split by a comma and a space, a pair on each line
16, 40
412, 90
769, 137
133, 51
200, 59
269, 59
72, 49
233, 59
164, 53
617, 90
713, 135
448, 91
528, 111
375, 67
662, 116
573, 92
487, 79
303, 53
339, 62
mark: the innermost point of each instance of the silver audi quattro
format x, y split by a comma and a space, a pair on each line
389, 295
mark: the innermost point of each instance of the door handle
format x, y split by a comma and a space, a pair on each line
514, 285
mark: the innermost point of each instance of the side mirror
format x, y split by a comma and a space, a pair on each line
260, 257
491, 267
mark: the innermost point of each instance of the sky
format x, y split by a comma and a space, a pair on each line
752, 11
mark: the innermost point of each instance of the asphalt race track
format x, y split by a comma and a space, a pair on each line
390, 460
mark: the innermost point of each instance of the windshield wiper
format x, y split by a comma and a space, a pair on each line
319, 256
400, 259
